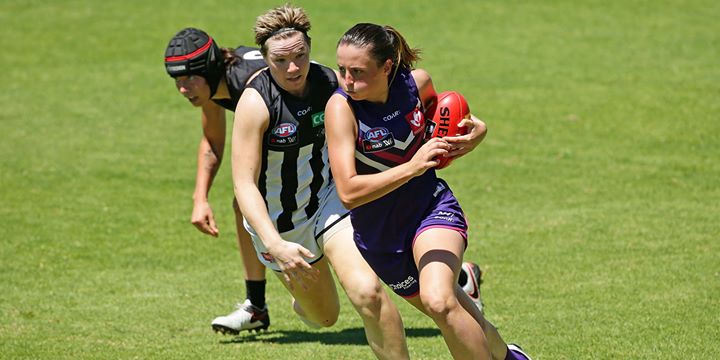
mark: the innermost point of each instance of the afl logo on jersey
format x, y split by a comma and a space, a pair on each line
284, 130
376, 134
377, 139
283, 134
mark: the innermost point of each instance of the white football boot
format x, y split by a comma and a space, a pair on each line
246, 317
472, 284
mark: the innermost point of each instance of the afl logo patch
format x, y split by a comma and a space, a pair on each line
377, 139
284, 130
377, 134
283, 135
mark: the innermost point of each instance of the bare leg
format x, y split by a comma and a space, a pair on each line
497, 345
383, 325
319, 303
438, 255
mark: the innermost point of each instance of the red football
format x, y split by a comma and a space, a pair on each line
443, 117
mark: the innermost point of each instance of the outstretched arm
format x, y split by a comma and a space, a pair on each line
209, 158
251, 121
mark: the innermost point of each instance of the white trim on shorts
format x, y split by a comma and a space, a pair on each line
314, 233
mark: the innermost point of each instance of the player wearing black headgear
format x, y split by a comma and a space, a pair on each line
213, 79
193, 52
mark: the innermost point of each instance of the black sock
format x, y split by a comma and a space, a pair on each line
255, 290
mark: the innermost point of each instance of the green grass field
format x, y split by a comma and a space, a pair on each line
594, 201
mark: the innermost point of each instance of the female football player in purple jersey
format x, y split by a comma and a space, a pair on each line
283, 186
408, 225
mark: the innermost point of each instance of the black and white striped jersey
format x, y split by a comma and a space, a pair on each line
294, 153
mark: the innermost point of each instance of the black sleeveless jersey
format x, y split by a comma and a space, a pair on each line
250, 61
294, 153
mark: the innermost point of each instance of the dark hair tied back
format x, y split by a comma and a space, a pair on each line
383, 42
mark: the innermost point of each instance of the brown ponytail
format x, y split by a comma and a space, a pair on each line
384, 42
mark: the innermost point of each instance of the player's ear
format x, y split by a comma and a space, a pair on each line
387, 67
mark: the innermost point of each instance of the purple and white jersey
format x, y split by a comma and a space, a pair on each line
390, 134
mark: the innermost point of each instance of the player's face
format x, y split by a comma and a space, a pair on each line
289, 62
362, 77
194, 88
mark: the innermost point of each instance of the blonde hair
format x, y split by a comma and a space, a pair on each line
282, 22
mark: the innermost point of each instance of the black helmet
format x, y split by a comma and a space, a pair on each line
193, 52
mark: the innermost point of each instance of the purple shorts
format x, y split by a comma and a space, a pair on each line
398, 270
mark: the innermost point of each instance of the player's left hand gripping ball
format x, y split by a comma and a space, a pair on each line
443, 118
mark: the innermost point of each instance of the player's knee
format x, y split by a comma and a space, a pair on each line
365, 292
437, 304
328, 318
325, 317
330, 321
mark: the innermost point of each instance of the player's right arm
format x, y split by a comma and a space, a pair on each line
354, 189
209, 158
251, 120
